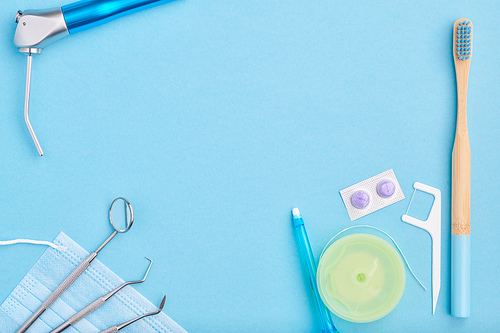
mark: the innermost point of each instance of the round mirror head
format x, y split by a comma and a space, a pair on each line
121, 215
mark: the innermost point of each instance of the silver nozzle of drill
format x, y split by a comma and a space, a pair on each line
27, 105
35, 30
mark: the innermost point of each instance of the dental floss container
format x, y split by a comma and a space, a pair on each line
361, 277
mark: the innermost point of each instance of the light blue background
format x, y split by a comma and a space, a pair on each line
215, 119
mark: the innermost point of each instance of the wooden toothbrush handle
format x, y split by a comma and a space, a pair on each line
461, 177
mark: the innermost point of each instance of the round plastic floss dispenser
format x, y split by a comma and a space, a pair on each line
361, 277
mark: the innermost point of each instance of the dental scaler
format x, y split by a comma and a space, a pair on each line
38, 28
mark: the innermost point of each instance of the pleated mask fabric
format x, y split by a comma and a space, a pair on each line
51, 269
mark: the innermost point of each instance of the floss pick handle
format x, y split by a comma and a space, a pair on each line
433, 226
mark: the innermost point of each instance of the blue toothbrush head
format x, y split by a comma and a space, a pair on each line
463, 32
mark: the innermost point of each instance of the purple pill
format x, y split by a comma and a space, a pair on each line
360, 199
386, 188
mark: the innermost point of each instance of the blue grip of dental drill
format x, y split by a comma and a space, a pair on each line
86, 14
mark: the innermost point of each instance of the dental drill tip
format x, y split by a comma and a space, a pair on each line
27, 106
295, 212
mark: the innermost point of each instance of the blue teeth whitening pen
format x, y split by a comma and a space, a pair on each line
305, 248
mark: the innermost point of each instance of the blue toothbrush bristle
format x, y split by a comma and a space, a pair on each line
463, 40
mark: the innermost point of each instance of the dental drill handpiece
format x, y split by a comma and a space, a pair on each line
38, 28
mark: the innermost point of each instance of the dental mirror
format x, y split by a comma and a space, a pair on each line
121, 215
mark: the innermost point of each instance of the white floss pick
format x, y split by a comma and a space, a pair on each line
372, 194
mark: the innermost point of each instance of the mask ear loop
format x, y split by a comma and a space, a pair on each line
385, 233
30, 241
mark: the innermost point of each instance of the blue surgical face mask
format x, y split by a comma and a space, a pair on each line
50, 270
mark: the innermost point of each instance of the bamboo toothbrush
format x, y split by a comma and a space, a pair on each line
461, 175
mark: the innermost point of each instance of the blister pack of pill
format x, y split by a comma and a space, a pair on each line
372, 194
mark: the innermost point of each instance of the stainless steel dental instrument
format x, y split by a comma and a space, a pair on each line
27, 103
114, 209
116, 328
97, 303
38, 28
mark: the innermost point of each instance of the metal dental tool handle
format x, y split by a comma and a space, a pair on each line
129, 216
116, 328
97, 303
58, 292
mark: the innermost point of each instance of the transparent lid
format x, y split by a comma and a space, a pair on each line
361, 278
